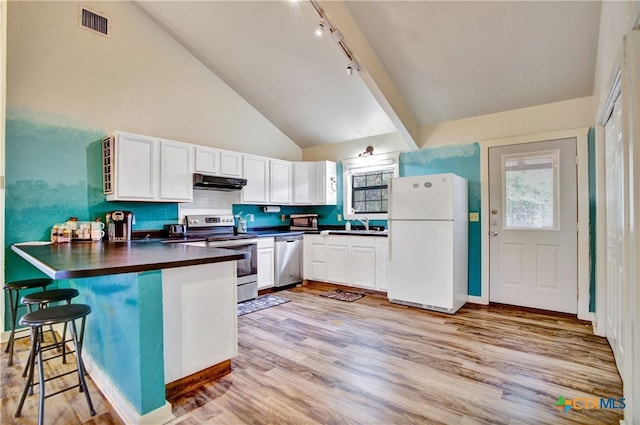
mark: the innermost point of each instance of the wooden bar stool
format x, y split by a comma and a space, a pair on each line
13, 290
50, 316
42, 300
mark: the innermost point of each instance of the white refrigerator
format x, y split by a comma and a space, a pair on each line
428, 242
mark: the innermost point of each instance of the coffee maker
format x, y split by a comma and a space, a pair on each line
119, 225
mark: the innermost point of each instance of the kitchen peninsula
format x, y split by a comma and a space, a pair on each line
160, 313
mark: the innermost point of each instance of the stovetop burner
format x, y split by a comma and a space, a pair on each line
212, 228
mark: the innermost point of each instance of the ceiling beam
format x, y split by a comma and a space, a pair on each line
372, 72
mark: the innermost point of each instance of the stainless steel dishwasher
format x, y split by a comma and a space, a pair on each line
288, 253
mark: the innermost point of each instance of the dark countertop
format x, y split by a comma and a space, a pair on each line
273, 233
88, 259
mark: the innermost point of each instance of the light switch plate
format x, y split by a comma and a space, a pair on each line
474, 216
339, 217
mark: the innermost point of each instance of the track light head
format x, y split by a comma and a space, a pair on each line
320, 28
349, 69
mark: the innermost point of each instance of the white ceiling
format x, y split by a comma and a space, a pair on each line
446, 60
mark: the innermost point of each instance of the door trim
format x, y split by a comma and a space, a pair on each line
580, 134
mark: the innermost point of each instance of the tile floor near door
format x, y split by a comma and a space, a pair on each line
317, 360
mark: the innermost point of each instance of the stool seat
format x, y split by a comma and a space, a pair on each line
53, 315
50, 296
42, 300
28, 284
13, 290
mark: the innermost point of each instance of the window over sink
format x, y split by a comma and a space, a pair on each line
366, 185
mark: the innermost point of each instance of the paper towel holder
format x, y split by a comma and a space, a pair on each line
271, 209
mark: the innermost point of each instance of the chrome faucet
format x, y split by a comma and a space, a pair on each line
364, 221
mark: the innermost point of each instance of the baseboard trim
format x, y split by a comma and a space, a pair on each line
182, 386
474, 299
120, 404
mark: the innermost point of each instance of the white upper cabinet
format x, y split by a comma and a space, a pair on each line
142, 168
304, 183
176, 165
326, 189
207, 160
218, 162
230, 164
256, 171
280, 182
314, 183
135, 169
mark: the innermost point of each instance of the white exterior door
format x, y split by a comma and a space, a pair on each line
533, 225
615, 188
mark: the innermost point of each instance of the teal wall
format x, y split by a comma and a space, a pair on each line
124, 334
53, 173
591, 140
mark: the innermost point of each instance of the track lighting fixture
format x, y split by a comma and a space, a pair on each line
320, 28
325, 27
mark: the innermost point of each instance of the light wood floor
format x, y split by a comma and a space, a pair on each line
316, 360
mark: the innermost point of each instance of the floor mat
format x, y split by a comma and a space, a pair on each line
341, 295
260, 303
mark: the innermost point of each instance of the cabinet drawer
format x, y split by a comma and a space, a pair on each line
265, 243
335, 240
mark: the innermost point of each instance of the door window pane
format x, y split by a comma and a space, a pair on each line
531, 191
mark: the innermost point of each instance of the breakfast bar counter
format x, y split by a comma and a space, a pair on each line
162, 315
87, 259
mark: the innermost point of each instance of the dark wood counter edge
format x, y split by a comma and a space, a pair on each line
71, 274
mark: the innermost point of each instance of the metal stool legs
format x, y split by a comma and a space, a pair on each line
52, 315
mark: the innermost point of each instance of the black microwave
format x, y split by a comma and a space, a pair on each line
303, 222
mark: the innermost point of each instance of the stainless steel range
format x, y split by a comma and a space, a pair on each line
216, 231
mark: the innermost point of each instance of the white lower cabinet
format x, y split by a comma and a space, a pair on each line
337, 263
358, 261
266, 261
313, 257
362, 262
382, 259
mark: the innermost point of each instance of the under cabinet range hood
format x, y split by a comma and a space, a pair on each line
226, 184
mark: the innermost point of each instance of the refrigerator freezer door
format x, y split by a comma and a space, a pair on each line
422, 198
421, 269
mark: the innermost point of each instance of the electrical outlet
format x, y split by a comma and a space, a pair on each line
474, 216
283, 217
339, 217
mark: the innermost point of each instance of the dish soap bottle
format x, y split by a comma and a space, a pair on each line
347, 225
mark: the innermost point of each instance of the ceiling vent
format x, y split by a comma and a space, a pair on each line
94, 22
